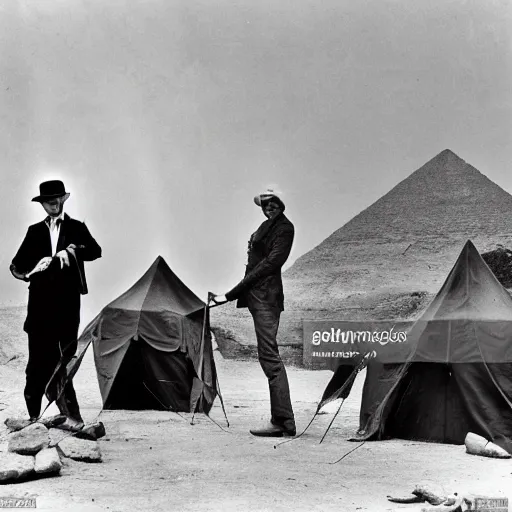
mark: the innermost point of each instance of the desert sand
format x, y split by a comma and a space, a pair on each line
159, 461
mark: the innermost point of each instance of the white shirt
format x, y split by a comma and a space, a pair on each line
54, 228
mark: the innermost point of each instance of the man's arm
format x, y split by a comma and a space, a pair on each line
276, 258
21, 263
89, 249
18, 275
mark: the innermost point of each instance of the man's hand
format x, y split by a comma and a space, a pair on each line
217, 299
42, 265
64, 258
71, 249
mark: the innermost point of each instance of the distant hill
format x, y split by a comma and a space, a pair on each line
388, 260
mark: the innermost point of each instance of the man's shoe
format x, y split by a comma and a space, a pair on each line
53, 421
272, 430
71, 425
92, 432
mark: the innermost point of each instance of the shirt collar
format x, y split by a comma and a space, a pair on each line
49, 219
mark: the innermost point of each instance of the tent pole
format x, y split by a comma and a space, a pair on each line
203, 333
351, 378
201, 356
220, 398
332, 421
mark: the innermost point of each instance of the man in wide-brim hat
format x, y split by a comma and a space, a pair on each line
261, 291
51, 258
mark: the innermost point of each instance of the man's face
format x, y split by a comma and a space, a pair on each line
270, 209
53, 207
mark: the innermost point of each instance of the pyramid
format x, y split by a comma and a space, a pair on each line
409, 238
444, 196
390, 259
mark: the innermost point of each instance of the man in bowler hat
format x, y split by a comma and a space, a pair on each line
261, 291
51, 258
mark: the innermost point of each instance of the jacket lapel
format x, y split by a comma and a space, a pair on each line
266, 227
43, 238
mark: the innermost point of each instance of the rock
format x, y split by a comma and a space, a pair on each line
478, 445
15, 424
48, 461
56, 436
493, 450
499, 261
29, 440
14, 466
80, 449
92, 432
475, 444
435, 495
53, 421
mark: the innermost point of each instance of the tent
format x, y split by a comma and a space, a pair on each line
457, 374
152, 347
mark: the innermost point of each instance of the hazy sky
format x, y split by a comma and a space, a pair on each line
164, 118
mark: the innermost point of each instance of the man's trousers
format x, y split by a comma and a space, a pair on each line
266, 324
45, 352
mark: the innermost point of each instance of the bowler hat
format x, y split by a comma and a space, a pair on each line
50, 190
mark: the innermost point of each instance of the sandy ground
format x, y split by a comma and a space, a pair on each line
158, 461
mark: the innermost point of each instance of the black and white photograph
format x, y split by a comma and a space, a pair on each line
256, 255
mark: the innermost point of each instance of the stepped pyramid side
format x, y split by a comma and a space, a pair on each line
436, 208
444, 196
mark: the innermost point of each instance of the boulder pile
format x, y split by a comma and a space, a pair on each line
36, 449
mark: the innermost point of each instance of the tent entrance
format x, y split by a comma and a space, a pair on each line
429, 406
151, 379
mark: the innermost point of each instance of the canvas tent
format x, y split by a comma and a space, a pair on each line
152, 347
457, 374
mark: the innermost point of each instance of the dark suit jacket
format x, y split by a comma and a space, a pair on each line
269, 249
54, 294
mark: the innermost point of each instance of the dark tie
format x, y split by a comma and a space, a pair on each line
53, 225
